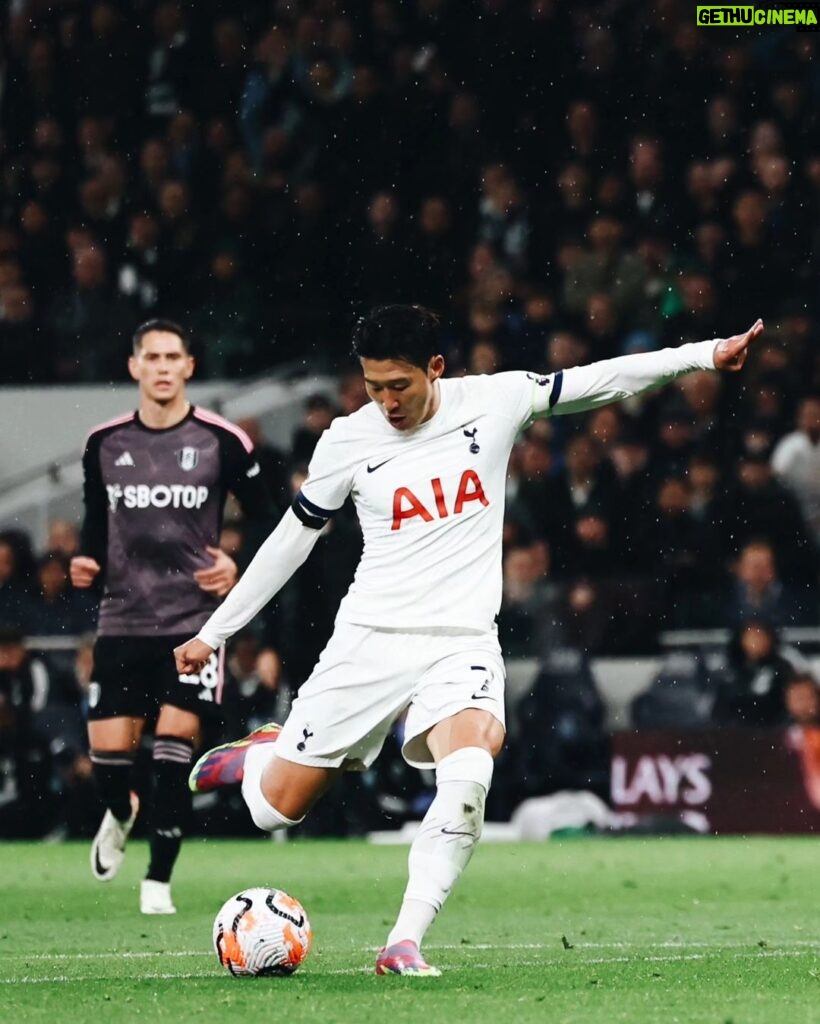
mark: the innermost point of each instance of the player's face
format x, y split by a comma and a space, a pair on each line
161, 367
406, 394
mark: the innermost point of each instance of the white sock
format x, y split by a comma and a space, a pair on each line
445, 841
264, 816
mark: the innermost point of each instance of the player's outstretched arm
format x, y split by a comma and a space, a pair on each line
273, 565
611, 380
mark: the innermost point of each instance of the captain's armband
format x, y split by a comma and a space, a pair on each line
311, 515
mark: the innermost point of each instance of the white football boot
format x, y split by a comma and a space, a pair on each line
108, 848
155, 897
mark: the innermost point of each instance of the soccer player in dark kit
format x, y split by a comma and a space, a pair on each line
155, 483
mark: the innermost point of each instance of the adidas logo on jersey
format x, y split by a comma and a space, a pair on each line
126, 459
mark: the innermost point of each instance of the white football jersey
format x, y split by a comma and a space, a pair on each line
430, 503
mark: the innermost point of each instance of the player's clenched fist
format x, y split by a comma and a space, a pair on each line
191, 657
83, 571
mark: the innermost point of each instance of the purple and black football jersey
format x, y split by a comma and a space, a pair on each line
154, 501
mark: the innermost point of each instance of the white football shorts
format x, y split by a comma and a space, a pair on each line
366, 678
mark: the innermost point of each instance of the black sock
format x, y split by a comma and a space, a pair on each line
172, 804
112, 774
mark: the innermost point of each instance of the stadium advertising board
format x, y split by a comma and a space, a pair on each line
738, 780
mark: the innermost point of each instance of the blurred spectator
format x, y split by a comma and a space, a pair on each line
138, 270
527, 619
503, 218
179, 246
757, 506
590, 485
15, 601
318, 415
435, 246
57, 608
352, 392
561, 742
272, 462
801, 699
64, 537
703, 475
228, 320
381, 260
40, 733
607, 269
542, 509
686, 554
171, 64
255, 695
630, 457
701, 393
752, 690
90, 322
25, 346
796, 462
679, 697
759, 591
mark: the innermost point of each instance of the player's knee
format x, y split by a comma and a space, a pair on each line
291, 807
494, 738
264, 814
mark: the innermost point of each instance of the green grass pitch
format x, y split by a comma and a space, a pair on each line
575, 931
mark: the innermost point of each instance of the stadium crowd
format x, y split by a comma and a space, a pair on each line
563, 183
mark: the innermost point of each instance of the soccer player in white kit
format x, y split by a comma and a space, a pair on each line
425, 464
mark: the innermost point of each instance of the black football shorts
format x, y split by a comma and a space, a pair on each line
135, 675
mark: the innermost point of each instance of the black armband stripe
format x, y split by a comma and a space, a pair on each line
305, 518
309, 514
557, 383
315, 510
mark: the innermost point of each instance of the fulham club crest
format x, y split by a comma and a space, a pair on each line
187, 458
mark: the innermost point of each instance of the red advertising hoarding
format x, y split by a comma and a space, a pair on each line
738, 780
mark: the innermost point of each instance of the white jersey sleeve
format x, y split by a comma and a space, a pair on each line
612, 380
330, 476
523, 396
272, 566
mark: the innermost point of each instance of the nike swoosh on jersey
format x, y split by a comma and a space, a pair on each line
372, 469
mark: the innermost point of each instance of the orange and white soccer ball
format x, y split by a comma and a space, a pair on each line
261, 932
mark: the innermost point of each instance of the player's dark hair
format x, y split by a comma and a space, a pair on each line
406, 333
158, 324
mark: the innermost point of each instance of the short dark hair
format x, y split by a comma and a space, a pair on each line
406, 333
158, 324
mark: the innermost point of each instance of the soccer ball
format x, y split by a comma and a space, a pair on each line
261, 932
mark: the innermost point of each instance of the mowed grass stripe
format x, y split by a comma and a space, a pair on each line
683, 930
